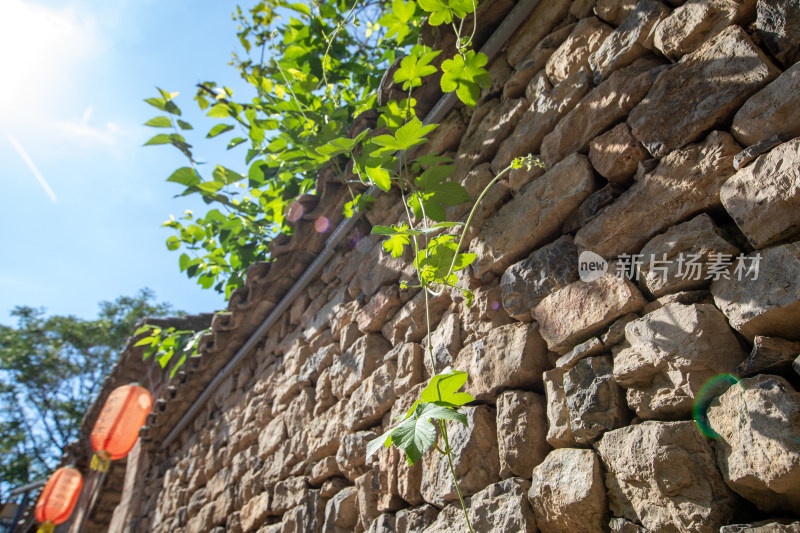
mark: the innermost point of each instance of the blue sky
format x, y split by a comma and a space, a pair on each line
81, 201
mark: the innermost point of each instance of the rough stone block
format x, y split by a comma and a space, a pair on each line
511, 356
533, 63
546, 270
614, 11
415, 519
308, 515
485, 314
683, 184
254, 512
475, 182
502, 506
697, 21
545, 16
546, 109
595, 402
288, 493
559, 432
778, 25
590, 348
491, 123
629, 41
409, 324
534, 216
381, 307
673, 352
367, 486
600, 109
351, 455
356, 363
662, 474
758, 449
567, 492
680, 259
769, 356
616, 154
372, 399
764, 197
521, 431
582, 309
701, 92
768, 304
341, 512
573, 54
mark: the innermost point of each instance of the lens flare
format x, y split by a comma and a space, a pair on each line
495, 305
356, 238
295, 212
710, 390
322, 225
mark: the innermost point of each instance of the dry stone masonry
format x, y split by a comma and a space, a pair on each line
670, 132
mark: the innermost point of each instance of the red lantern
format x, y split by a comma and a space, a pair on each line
58, 498
117, 427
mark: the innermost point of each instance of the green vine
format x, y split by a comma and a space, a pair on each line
320, 75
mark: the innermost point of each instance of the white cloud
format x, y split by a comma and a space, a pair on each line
108, 135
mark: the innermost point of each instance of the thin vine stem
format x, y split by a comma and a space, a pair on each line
471, 214
453, 473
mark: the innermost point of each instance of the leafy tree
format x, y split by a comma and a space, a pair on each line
51, 368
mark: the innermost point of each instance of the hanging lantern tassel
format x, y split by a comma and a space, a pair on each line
58, 498
100, 461
47, 527
117, 427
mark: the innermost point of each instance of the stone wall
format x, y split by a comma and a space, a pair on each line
670, 138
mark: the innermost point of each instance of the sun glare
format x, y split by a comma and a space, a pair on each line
42, 48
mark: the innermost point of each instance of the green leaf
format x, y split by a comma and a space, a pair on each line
380, 176
158, 103
403, 10
299, 7
416, 434
444, 388
449, 193
439, 11
435, 175
413, 133
171, 108
235, 142
184, 125
210, 186
226, 176
337, 146
159, 122
413, 69
219, 129
173, 243
186, 176
383, 441
462, 8
398, 22
395, 244
220, 110
184, 262
147, 341
161, 138
145, 329
466, 76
